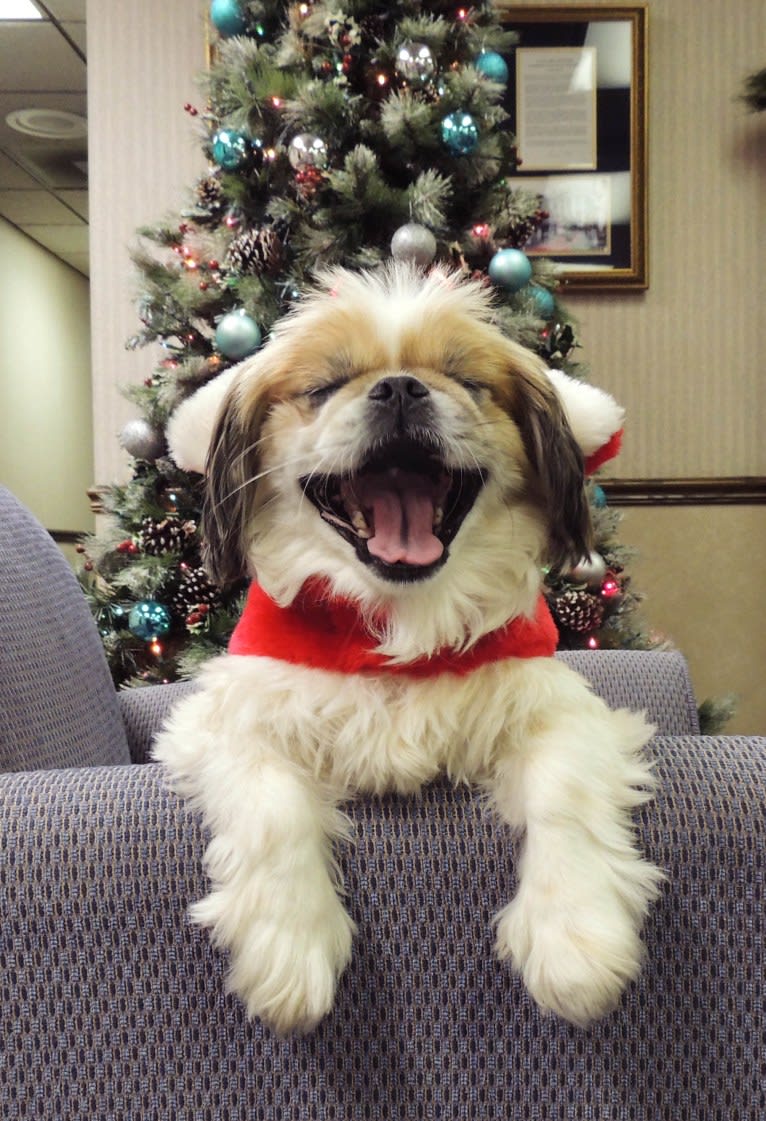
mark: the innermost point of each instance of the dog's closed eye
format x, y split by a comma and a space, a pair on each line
318, 394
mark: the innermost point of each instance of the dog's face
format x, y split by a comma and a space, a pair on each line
387, 435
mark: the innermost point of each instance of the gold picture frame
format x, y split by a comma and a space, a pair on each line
579, 72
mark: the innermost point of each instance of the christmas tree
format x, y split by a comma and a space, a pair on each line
336, 133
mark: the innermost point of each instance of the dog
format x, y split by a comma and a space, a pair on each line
393, 473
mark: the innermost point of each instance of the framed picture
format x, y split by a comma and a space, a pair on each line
577, 98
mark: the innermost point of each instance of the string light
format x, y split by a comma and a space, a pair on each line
610, 588
593, 642
155, 648
481, 229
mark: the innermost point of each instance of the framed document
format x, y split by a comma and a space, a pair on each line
577, 100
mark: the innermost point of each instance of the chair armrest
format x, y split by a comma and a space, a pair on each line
112, 998
144, 711
654, 681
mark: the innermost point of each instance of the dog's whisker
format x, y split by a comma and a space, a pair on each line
291, 462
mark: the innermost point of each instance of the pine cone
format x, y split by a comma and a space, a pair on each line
193, 590
578, 610
210, 194
255, 251
168, 536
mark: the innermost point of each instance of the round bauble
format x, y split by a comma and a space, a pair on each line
230, 148
414, 243
591, 570
510, 268
460, 133
598, 496
142, 440
149, 619
493, 66
227, 18
307, 150
237, 335
543, 301
415, 63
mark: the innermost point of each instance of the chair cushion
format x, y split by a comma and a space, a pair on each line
59, 706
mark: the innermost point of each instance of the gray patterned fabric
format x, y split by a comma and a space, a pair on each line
114, 1006
144, 712
655, 681
57, 702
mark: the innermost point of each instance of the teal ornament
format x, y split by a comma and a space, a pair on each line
460, 133
543, 301
493, 66
599, 497
149, 619
237, 335
230, 149
227, 18
510, 268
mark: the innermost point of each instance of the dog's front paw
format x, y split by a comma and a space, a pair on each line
575, 960
285, 972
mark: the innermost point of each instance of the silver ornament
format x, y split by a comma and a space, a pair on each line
142, 440
415, 63
591, 570
306, 150
414, 243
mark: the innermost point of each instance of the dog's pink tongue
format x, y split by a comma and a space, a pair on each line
402, 504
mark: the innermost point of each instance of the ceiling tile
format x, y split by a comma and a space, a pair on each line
13, 177
22, 207
67, 9
34, 56
76, 200
60, 239
77, 32
79, 261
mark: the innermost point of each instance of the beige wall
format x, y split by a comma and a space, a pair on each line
144, 59
46, 449
685, 356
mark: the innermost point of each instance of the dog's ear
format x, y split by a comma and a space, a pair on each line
231, 471
557, 461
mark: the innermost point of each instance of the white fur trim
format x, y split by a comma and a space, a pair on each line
190, 428
593, 414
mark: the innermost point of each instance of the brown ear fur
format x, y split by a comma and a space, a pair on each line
557, 461
230, 480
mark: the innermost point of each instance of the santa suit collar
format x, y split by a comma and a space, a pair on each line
325, 632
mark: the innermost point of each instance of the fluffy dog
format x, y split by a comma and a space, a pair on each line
393, 472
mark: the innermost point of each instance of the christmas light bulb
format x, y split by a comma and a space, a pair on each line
155, 648
593, 642
610, 588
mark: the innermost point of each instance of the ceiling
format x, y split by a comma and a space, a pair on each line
44, 182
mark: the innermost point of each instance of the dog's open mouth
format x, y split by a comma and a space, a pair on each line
400, 510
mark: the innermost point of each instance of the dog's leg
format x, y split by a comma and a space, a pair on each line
274, 901
572, 930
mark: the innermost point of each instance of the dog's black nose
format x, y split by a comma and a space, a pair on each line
398, 390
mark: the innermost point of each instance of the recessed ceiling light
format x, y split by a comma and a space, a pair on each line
48, 124
19, 9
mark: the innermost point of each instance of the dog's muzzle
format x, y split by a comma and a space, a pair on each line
404, 504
